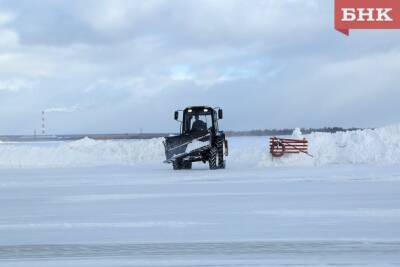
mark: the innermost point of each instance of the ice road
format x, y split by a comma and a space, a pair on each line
146, 214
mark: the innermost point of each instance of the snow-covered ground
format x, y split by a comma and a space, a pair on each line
113, 203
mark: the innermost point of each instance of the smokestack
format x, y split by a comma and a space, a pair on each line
43, 123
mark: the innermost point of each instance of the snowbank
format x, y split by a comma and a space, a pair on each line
84, 152
380, 146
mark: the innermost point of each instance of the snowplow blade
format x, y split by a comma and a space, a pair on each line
177, 147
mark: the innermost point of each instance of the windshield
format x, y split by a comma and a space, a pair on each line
200, 122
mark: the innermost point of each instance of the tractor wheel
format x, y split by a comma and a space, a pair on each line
277, 148
213, 159
187, 165
177, 165
220, 149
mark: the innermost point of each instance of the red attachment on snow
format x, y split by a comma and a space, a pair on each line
279, 146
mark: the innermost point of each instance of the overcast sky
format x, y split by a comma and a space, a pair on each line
125, 66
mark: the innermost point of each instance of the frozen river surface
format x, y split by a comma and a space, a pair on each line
149, 215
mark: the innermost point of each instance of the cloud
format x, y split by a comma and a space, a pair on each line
356, 80
175, 21
243, 21
269, 63
117, 16
16, 84
6, 17
63, 109
8, 37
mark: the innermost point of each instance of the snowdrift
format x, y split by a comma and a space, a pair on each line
81, 153
379, 146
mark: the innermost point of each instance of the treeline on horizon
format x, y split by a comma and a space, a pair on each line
272, 132
264, 132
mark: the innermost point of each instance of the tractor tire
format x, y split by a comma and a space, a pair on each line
187, 165
213, 158
277, 148
220, 155
177, 165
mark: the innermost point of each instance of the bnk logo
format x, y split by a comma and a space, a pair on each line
366, 14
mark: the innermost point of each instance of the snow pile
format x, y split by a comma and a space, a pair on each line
84, 152
297, 133
247, 151
379, 146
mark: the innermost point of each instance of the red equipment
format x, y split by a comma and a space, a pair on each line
280, 146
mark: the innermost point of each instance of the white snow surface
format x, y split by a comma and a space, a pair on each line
378, 146
140, 212
297, 133
151, 215
84, 152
